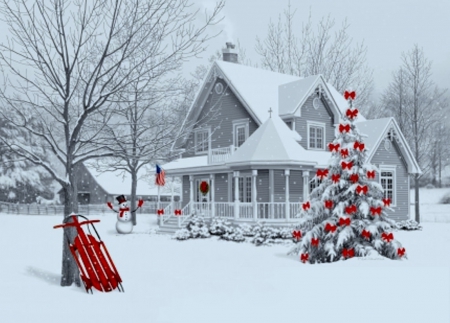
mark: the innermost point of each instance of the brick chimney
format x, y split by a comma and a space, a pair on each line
229, 54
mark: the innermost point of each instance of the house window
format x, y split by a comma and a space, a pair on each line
218, 88
387, 181
245, 189
201, 140
315, 182
316, 136
240, 132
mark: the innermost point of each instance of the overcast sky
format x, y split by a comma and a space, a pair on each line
388, 28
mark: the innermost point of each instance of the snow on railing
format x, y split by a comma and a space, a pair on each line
224, 209
220, 155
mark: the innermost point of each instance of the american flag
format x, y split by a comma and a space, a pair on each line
160, 180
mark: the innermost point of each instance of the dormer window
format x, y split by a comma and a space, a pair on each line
316, 135
240, 131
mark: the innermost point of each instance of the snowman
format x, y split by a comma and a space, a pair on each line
124, 223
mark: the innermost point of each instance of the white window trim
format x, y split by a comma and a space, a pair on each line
240, 123
316, 124
204, 152
247, 182
393, 169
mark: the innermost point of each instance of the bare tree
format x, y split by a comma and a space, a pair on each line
67, 61
310, 53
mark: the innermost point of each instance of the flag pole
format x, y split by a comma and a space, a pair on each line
158, 204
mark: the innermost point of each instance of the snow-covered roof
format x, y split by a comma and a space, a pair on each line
197, 161
117, 183
373, 130
291, 94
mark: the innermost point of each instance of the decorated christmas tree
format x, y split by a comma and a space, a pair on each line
347, 211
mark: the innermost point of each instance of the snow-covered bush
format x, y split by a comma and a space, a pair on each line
247, 230
430, 186
236, 235
195, 228
445, 199
264, 235
220, 226
182, 234
408, 225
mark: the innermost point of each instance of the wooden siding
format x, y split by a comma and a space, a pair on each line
219, 117
262, 186
221, 187
279, 185
394, 157
295, 186
186, 188
308, 113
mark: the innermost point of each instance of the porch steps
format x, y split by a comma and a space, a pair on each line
169, 227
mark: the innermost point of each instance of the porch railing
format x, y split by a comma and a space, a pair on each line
202, 209
224, 209
220, 155
245, 211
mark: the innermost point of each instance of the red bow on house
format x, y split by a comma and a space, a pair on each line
352, 114
304, 257
330, 227
328, 204
344, 153
123, 210
401, 252
322, 173
297, 234
361, 189
315, 242
359, 145
344, 128
371, 174
306, 206
387, 201
365, 234
375, 210
109, 205
140, 202
335, 178
348, 253
177, 212
345, 165
333, 147
354, 178
387, 237
343, 221
160, 211
350, 94
350, 209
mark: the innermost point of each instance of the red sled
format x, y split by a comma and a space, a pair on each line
94, 262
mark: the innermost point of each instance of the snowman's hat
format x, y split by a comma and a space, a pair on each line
121, 199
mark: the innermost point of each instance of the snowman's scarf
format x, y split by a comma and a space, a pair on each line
122, 210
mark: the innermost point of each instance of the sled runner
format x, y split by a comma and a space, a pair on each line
93, 260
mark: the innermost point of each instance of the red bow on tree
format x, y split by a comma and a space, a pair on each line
344, 153
375, 210
351, 114
140, 202
344, 128
343, 221
322, 173
330, 227
387, 237
333, 147
401, 252
371, 174
335, 178
177, 212
358, 145
109, 205
315, 242
328, 204
306, 206
365, 234
296, 234
160, 211
350, 209
354, 178
361, 189
345, 165
350, 94
348, 253
304, 257
123, 210
387, 201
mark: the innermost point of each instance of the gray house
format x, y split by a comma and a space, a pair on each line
257, 139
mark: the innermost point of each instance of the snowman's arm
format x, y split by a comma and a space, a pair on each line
109, 204
140, 203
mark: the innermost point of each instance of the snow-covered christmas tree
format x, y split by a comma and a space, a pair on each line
348, 208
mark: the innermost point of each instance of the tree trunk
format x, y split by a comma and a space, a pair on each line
416, 197
69, 271
133, 195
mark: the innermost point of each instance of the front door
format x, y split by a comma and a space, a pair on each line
199, 195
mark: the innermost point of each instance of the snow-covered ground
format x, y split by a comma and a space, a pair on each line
218, 281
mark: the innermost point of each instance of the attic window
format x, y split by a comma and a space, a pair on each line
316, 103
219, 88
387, 144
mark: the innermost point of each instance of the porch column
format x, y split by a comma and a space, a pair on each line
254, 195
172, 208
287, 172
271, 192
213, 200
305, 185
191, 193
236, 194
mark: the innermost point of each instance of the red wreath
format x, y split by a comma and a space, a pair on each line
204, 188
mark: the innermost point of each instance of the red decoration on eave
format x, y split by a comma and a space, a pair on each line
344, 128
371, 174
352, 114
401, 252
334, 147
387, 201
335, 178
330, 228
358, 146
387, 237
344, 153
322, 173
343, 221
350, 209
304, 257
315, 242
328, 204
375, 210
306, 206
354, 178
366, 234
348, 253
348, 165
297, 234
361, 189
349, 95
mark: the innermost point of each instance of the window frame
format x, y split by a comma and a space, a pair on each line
393, 170
241, 123
315, 124
206, 130
245, 188
313, 182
